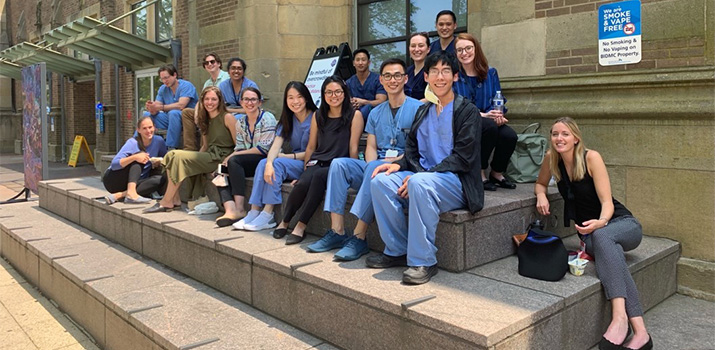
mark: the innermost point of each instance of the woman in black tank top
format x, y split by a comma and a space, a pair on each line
334, 132
603, 223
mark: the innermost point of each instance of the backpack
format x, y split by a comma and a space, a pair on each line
525, 162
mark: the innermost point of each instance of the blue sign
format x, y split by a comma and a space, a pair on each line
99, 117
619, 33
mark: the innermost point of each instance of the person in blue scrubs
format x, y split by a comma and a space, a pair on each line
172, 97
365, 85
386, 128
419, 49
231, 89
480, 83
293, 128
438, 173
446, 24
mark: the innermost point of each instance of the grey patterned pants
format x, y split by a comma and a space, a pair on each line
607, 245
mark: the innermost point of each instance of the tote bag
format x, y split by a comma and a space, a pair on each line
525, 162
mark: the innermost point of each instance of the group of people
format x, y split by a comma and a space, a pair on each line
431, 130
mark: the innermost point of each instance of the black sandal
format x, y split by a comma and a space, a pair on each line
157, 208
294, 239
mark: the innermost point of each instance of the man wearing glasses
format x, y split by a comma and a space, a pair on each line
446, 24
172, 97
231, 89
365, 87
212, 64
438, 173
386, 129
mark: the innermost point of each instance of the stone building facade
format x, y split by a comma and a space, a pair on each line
653, 122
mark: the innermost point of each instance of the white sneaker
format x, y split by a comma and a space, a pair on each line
262, 222
240, 224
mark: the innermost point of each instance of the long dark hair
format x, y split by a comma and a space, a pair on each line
286, 119
347, 109
140, 143
201, 113
480, 60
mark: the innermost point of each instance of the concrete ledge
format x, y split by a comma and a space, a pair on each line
125, 302
488, 307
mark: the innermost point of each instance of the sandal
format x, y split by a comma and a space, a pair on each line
223, 221
157, 208
503, 183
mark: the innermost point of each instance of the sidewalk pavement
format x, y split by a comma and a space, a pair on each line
29, 321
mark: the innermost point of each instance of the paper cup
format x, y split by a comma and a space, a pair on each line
577, 266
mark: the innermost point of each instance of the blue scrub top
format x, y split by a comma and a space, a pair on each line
233, 97
416, 84
369, 90
299, 135
184, 89
386, 128
157, 148
434, 136
479, 92
435, 46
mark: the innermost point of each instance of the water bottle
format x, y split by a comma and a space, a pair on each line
498, 102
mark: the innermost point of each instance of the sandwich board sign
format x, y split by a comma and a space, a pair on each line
327, 62
619, 33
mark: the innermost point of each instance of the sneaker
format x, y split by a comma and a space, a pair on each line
261, 222
354, 248
330, 241
419, 274
138, 200
109, 199
241, 224
383, 261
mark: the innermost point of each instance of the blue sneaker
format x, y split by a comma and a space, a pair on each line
330, 241
354, 248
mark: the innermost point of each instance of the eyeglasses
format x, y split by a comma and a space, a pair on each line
466, 49
445, 72
206, 63
397, 76
236, 68
250, 100
334, 93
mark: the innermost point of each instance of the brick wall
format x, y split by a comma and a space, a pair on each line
553, 8
225, 49
208, 13
683, 52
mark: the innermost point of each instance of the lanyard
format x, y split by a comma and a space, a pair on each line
248, 127
233, 91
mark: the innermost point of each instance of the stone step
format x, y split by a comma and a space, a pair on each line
464, 240
487, 307
126, 301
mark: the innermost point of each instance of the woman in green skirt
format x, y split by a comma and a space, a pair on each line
218, 135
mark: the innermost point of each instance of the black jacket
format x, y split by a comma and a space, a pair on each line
465, 159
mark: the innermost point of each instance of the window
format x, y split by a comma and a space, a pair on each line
147, 84
154, 22
385, 25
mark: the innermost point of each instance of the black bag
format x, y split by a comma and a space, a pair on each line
542, 256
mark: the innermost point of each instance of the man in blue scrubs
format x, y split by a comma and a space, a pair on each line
365, 87
172, 97
446, 24
386, 128
231, 89
438, 173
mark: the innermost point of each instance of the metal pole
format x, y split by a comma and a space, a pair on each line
131, 12
44, 124
62, 117
116, 106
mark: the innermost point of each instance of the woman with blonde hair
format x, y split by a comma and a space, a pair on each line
606, 226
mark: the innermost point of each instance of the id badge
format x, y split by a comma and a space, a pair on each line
391, 153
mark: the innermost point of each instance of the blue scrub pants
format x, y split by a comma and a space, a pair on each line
171, 122
351, 173
365, 111
284, 169
430, 194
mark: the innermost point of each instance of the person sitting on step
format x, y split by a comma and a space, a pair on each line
135, 172
218, 134
255, 132
293, 129
334, 132
173, 96
606, 226
386, 127
439, 172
